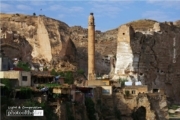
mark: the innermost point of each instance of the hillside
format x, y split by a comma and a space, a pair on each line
54, 44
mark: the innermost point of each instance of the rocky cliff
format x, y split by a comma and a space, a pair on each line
143, 106
148, 51
38, 39
105, 45
53, 44
150, 54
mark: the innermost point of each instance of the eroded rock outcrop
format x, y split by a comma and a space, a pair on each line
128, 107
38, 39
150, 56
105, 48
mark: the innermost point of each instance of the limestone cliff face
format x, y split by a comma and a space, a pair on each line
105, 48
41, 39
44, 48
151, 56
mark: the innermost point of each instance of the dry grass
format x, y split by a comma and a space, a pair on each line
142, 24
178, 23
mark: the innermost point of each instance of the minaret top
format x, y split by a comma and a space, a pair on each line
91, 19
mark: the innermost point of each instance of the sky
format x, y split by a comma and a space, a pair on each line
109, 14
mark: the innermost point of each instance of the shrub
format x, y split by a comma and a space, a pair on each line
80, 72
69, 77
24, 66
90, 108
122, 81
53, 72
6, 82
127, 93
25, 93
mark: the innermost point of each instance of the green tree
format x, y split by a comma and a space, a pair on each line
122, 81
80, 72
25, 93
7, 89
90, 108
24, 66
53, 72
6, 82
69, 77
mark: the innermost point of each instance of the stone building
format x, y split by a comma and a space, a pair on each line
135, 90
17, 78
41, 77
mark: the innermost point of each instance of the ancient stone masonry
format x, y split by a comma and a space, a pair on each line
125, 55
91, 48
152, 57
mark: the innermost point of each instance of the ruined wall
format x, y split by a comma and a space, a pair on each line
153, 58
153, 110
124, 54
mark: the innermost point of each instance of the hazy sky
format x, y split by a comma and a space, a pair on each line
109, 14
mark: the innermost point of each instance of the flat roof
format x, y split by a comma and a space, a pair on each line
135, 86
41, 74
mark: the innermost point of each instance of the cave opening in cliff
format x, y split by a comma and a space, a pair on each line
155, 90
139, 114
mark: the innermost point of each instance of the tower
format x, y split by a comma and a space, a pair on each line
124, 53
91, 47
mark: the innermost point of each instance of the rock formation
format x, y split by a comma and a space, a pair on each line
148, 50
38, 39
151, 56
105, 45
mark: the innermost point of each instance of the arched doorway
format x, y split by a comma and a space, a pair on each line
139, 114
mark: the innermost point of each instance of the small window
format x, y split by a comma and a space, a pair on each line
123, 33
155, 90
24, 78
133, 92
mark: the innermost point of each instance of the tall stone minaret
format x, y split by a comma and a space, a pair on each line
91, 47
